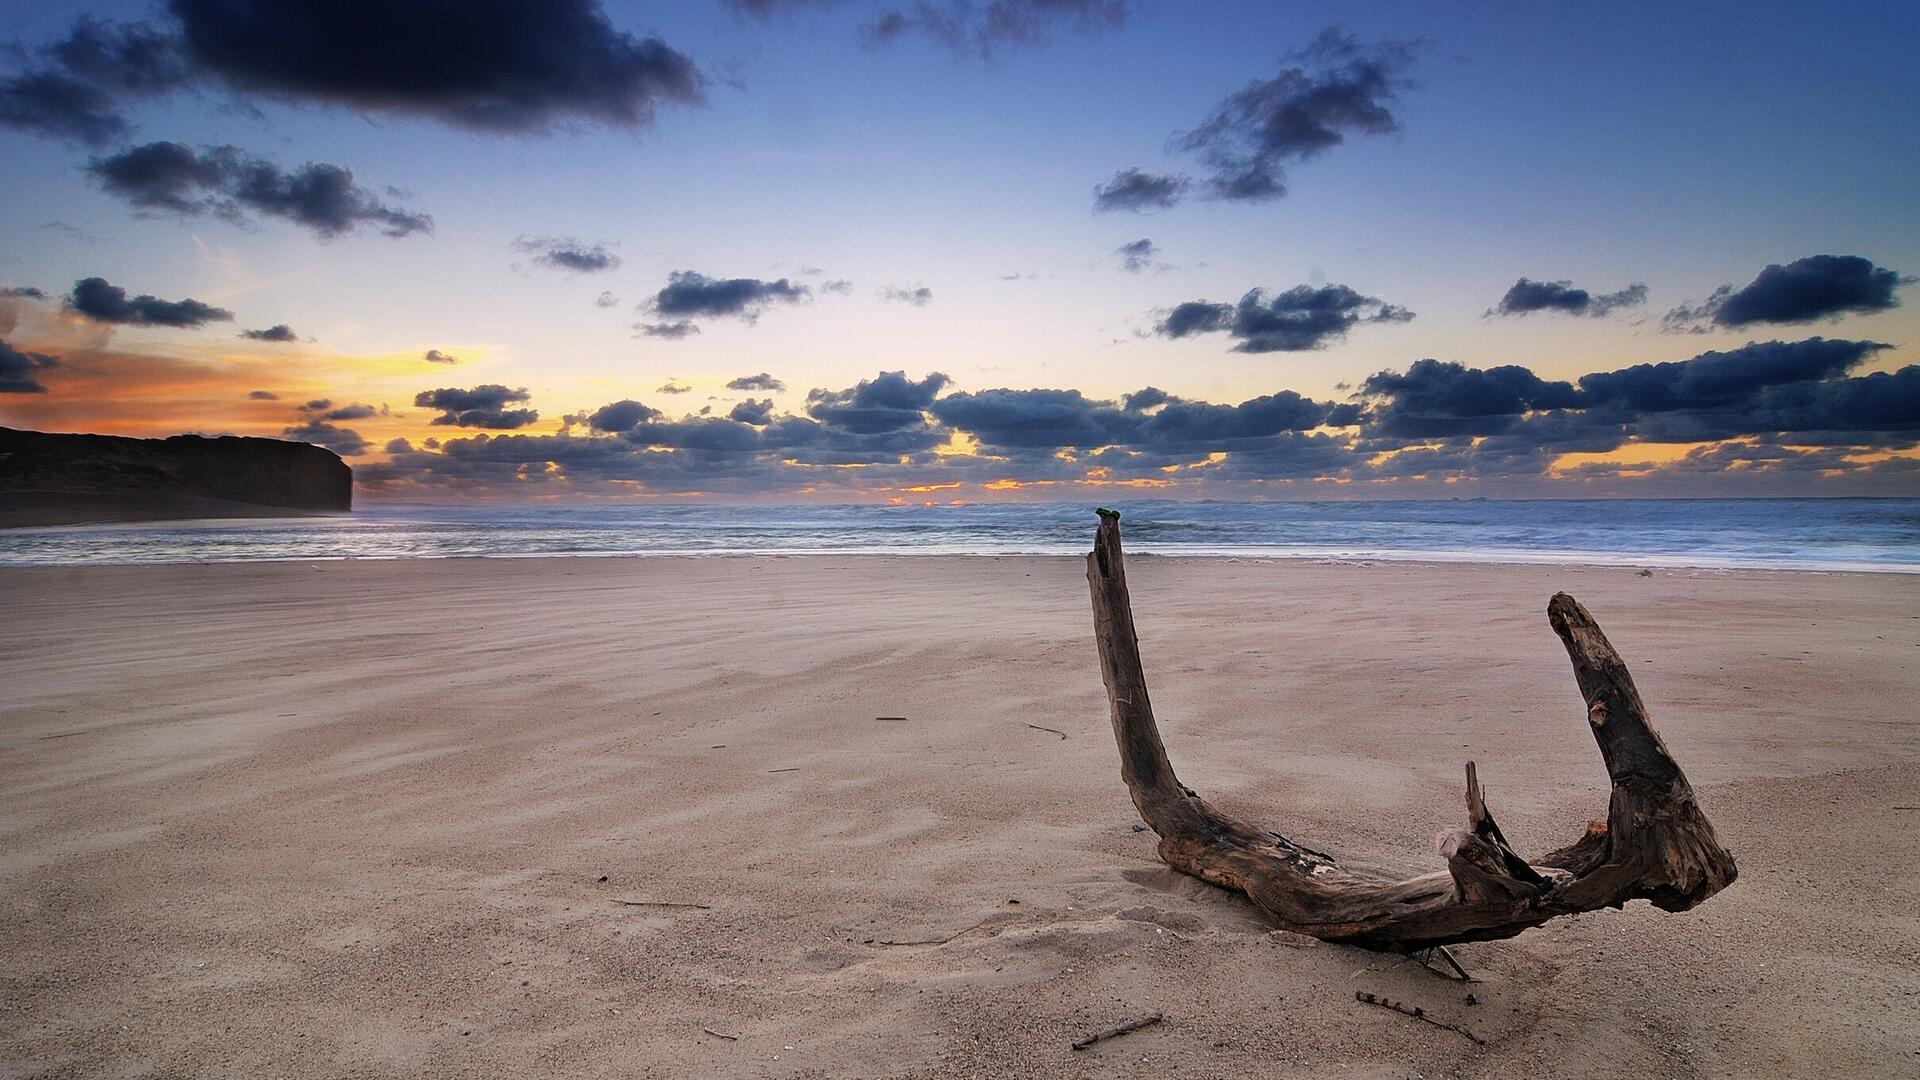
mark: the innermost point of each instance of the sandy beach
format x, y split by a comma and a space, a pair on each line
861, 816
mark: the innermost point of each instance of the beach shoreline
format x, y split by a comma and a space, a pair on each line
428, 817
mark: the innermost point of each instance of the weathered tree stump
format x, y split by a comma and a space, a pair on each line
1655, 843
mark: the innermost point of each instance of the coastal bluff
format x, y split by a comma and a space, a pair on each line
55, 479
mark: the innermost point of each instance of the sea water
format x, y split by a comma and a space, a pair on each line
1803, 534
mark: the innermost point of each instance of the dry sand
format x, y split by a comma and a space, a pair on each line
372, 819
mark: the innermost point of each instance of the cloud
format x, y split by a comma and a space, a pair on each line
672, 331
23, 292
343, 441
1301, 318
569, 254
1714, 379
324, 409
1136, 255
606, 299
481, 407
77, 89
985, 30
1335, 88
1803, 291
1434, 399
758, 413
691, 295
277, 332
100, 301
915, 295
1135, 190
435, 356
1787, 409
17, 367
229, 183
508, 68
767, 9
262, 395
762, 381
887, 402
838, 286
1527, 296
671, 387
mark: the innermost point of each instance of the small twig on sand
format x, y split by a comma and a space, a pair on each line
795, 768
1896, 808
892, 719
721, 1034
1055, 730
89, 731
1417, 1013
932, 941
656, 903
1115, 1032
1426, 957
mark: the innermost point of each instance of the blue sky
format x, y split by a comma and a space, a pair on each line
1683, 147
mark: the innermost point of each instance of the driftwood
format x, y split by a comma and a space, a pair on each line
1654, 845
1115, 1032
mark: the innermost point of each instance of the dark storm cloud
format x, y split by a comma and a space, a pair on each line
509, 66
758, 413
277, 332
1336, 88
914, 295
17, 367
1137, 255
343, 441
228, 182
1135, 190
692, 295
887, 402
435, 356
98, 300
262, 395
1803, 291
79, 86
1528, 296
1301, 318
481, 407
985, 30
567, 253
762, 381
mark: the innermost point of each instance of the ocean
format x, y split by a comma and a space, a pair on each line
1797, 534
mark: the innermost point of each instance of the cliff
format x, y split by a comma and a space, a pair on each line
48, 479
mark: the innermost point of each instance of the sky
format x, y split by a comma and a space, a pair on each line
872, 250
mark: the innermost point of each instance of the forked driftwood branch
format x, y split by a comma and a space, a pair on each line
1655, 844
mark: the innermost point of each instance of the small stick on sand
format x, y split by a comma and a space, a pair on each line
1055, 730
892, 719
795, 768
1417, 1013
932, 941
1115, 1032
656, 903
721, 1034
